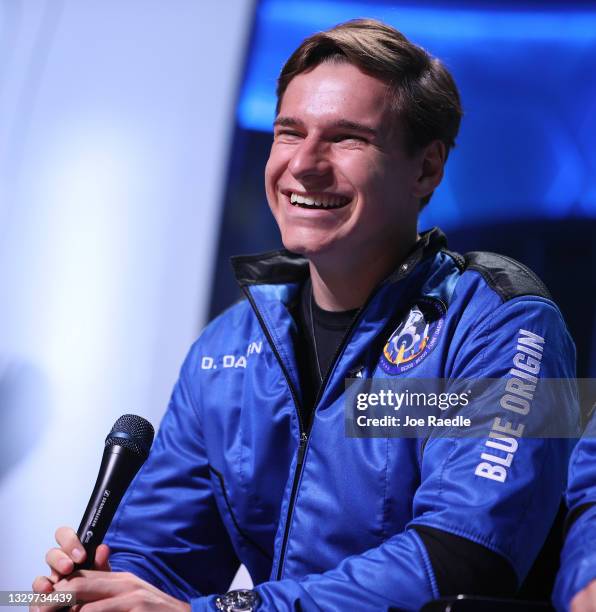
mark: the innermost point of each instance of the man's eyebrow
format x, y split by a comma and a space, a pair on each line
344, 124
288, 122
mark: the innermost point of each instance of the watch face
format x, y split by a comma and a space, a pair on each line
237, 601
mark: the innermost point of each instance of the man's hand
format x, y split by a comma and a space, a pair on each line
118, 592
99, 589
62, 560
585, 600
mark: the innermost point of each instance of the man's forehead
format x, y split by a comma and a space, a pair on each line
336, 95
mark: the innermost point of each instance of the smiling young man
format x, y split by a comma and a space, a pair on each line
252, 463
341, 185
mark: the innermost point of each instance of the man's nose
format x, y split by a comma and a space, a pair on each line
310, 160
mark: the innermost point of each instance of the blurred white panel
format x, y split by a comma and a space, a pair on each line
115, 119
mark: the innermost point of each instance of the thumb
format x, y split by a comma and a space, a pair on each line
102, 555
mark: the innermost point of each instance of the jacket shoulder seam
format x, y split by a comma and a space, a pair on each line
507, 277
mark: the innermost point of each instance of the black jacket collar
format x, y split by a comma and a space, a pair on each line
281, 267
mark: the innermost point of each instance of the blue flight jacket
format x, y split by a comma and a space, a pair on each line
323, 521
578, 559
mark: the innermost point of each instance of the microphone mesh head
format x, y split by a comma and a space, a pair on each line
132, 432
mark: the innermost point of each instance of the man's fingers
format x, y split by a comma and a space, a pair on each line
90, 585
70, 543
63, 561
102, 555
59, 561
45, 584
42, 584
54, 577
100, 591
125, 601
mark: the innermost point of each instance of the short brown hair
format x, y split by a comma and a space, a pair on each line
423, 92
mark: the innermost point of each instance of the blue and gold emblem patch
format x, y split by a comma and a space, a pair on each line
414, 338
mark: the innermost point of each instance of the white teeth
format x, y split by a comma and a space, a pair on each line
330, 202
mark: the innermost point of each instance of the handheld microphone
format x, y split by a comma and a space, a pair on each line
126, 448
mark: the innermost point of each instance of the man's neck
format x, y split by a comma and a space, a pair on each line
339, 285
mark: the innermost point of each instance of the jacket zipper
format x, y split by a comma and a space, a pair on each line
304, 433
305, 436
297, 403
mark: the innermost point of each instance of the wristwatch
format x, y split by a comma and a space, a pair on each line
238, 601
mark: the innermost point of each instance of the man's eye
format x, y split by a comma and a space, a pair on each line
348, 137
287, 134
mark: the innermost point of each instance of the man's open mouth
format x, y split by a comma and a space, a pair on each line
318, 200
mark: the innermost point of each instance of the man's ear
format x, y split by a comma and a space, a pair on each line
432, 161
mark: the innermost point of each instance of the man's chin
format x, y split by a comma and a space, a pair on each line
314, 243
297, 248
308, 250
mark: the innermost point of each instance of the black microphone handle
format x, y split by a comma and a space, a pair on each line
118, 467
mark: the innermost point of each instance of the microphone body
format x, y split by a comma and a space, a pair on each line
126, 448
119, 466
